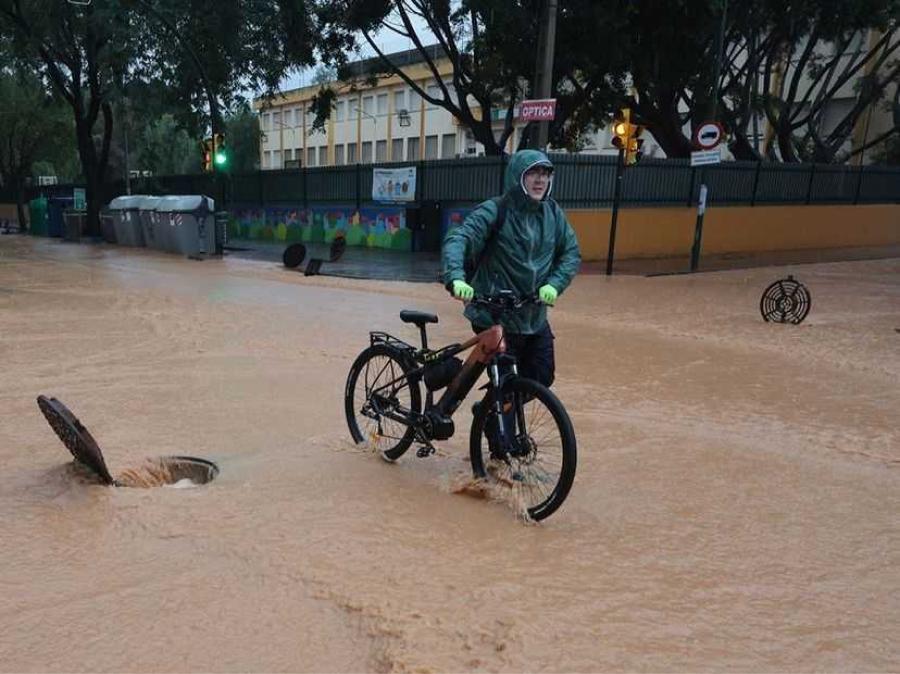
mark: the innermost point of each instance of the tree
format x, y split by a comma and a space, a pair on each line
203, 50
786, 61
28, 117
490, 46
243, 137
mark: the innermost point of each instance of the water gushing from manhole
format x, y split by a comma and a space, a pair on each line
176, 471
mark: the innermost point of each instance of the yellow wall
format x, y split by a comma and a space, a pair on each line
661, 232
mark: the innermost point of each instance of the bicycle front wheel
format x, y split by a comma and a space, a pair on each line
539, 460
377, 394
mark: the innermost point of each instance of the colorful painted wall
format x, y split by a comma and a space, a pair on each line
667, 232
374, 227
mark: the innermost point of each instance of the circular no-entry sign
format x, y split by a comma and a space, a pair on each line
708, 135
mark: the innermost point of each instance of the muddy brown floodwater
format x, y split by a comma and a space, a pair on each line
736, 507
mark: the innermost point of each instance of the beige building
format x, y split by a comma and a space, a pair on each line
383, 123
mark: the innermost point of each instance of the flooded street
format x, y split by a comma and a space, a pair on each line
736, 506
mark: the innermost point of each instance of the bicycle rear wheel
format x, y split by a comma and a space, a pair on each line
377, 386
541, 459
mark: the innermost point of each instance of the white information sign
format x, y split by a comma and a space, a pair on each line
395, 184
704, 157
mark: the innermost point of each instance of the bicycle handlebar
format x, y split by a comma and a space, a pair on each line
504, 301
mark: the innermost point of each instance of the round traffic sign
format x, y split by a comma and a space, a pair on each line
708, 135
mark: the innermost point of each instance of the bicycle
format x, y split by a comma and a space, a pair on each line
521, 433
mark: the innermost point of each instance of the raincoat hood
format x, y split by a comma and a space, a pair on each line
513, 183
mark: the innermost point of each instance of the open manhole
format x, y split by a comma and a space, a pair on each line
177, 471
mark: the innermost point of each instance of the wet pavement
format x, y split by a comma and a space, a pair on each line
734, 509
362, 263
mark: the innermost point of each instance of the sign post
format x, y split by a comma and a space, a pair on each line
611, 250
707, 138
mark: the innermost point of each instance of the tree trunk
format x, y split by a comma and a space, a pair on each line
20, 205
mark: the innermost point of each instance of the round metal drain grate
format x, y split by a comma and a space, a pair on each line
178, 471
785, 301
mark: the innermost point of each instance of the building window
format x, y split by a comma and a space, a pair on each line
266, 121
381, 151
435, 92
351, 153
276, 159
288, 155
397, 149
310, 156
368, 102
415, 101
366, 157
448, 145
323, 156
267, 159
339, 111
288, 118
276, 120
338, 155
352, 108
399, 100
412, 149
382, 104
431, 147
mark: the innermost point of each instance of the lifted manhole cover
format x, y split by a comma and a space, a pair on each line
178, 471
75, 436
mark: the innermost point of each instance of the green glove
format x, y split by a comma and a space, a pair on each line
463, 291
548, 294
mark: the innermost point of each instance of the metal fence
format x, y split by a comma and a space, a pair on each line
580, 181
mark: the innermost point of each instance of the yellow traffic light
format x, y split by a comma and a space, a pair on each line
622, 128
626, 137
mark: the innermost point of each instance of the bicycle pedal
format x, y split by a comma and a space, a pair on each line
425, 451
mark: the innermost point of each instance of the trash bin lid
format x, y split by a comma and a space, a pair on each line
126, 202
148, 203
188, 203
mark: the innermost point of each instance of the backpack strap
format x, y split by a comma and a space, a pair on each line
496, 226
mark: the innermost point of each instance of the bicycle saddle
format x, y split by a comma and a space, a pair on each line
419, 318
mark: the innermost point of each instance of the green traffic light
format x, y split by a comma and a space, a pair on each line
221, 158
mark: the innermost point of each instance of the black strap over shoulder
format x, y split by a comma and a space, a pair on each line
496, 226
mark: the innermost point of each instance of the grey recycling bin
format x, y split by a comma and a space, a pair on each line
108, 226
189, 224
147, 218
126, 220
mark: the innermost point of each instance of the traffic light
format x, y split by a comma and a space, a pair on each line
206, 154
634, 152
220, 152
621, 128
626, 137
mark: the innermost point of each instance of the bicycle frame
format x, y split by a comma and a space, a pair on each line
487, 350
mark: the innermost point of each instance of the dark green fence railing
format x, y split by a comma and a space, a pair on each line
580, 181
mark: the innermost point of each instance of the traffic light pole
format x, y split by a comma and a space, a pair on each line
543, 77
620, 174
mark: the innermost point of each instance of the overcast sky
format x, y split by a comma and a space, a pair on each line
387, 41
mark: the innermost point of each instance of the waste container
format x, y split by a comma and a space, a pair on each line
146, 215
126, 221
189, 224
56, 206
108, 226
37, 210
73, 224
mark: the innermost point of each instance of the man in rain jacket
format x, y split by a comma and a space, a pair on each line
534, 252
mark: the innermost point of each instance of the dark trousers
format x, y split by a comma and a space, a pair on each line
534, 354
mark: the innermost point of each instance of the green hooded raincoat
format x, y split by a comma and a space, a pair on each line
535, 246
